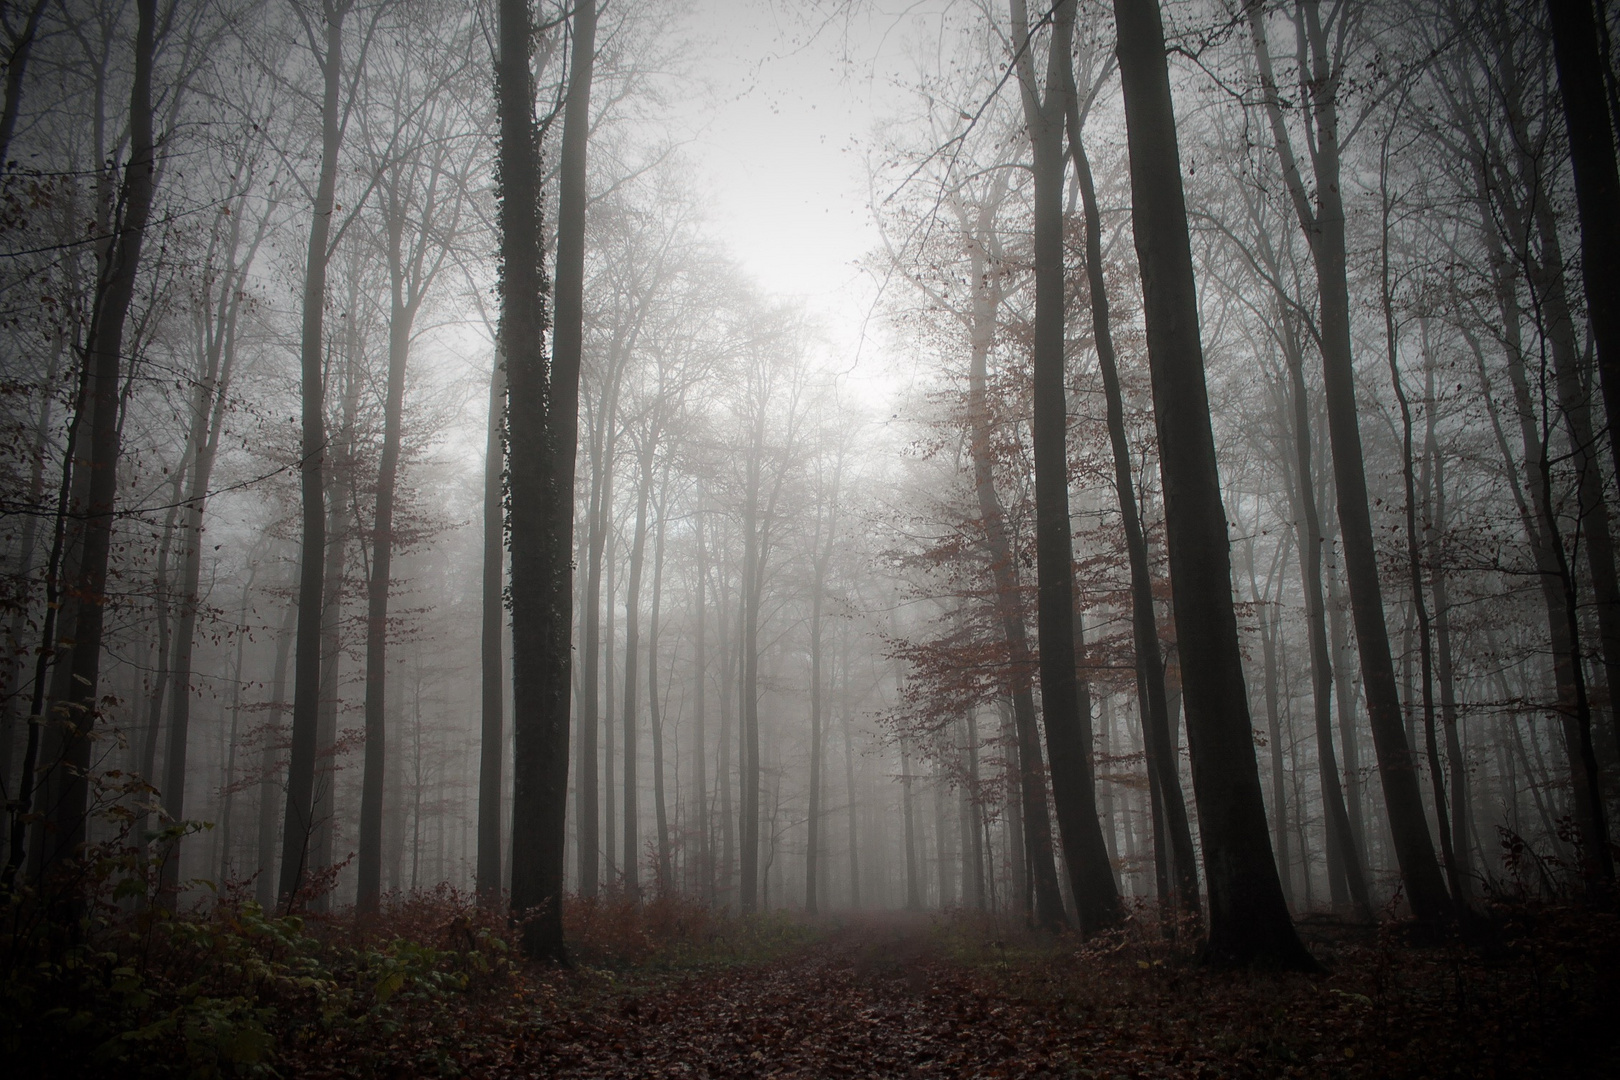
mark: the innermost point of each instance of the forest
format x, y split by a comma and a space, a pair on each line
742, 538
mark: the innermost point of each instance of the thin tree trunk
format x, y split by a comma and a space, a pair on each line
1342, 825
1414, 560
492, 730
654, 717
700, 783
632, 649
75, 684
207, 422
1248, 917
401, 317
228, 793
849, 792
298, 824
1068, 732
1182, 867
1436, 542
913, 876
1035, 833
270, 764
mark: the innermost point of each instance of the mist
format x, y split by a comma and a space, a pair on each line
648, 479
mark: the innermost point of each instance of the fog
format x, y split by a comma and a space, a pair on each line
876, 426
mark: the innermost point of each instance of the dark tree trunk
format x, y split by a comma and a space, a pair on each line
270, 763
632, 650
1342, 835
16, 68
1161, 761
492, 733
1036, 833
401, 316
209, 404
74, 689
1248, 918
298, 824
1068, 733
655, 719
1597, 186
700, 672
543, 421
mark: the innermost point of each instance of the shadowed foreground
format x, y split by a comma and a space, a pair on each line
892, 996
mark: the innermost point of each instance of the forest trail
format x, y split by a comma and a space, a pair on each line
872, 999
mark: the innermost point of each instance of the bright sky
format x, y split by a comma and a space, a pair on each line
782, 145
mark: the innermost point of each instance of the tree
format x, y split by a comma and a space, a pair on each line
422, 186
1323, 227
1597, 185
1163, 775
1248, 918
1068, 731
299, 824
542, 428
74, 687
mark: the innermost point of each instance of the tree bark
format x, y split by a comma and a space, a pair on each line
632, 650
74, 686
1597, 186
1182, 867
1248, 918
655, 720
492, 633
298, 824
1068, 733
542, 431
1035, 834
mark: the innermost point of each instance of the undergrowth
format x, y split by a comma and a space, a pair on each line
434, 981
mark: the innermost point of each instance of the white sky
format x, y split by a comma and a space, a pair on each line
781, 146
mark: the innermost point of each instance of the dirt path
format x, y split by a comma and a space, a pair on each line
868, 1001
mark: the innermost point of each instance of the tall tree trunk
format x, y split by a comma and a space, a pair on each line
228, 793
74, 688
1036, 834
700, 715
492, 633
1597, 186
907, 812
1344, 836
1414, 559
1248, 917
1279, 787
1436, 541
401, 316
1068, 733
599, 527
298, 825
655, 720
1324, 230
632, 650
748, 682
542, 431
849, 795
1161, 762
270, 764
207, 422
1576, 408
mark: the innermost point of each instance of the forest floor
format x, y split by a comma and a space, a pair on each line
912, 996
673, 989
